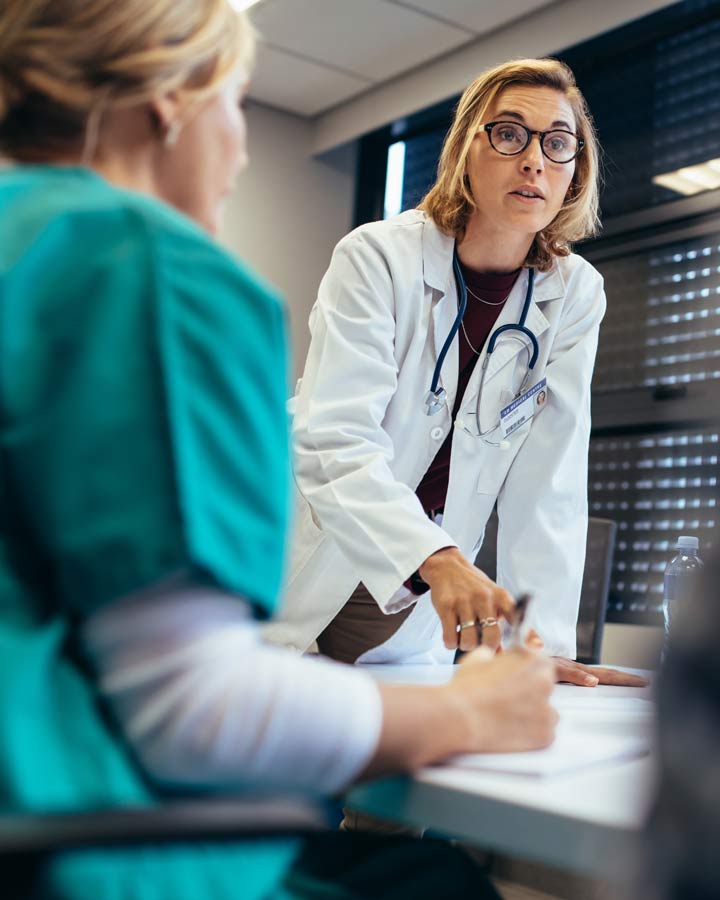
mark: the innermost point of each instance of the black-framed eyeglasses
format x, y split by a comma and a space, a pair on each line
511, 138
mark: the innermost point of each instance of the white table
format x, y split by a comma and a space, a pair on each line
587, 821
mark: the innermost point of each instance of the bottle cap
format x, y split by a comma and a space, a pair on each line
687, 542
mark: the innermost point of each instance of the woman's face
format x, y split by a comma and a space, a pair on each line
198, 172
496, 180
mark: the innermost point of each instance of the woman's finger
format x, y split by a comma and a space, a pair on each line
503, 604
603, 674
449, 621
467, 635
491, 637
616, 677
571, 674
534, 640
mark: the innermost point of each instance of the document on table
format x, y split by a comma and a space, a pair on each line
591, 732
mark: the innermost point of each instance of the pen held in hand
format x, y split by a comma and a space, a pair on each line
515, 633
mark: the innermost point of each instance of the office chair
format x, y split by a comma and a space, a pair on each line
27, 838
595, 585
595, 589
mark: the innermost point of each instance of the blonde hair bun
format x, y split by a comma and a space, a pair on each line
62, 60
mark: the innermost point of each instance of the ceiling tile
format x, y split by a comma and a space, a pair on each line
479, 17
373, 39
297, 85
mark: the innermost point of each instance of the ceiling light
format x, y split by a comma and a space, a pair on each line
692, 179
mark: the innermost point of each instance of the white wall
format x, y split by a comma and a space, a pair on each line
632, 645
289, 211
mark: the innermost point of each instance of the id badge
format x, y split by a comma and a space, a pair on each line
523, 408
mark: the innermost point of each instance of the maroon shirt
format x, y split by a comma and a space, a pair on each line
479, 321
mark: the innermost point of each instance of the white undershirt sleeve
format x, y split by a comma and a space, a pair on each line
204, 703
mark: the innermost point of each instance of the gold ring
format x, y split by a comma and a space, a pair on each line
487, 623
468, 624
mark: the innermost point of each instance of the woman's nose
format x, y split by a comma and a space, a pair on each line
532, 157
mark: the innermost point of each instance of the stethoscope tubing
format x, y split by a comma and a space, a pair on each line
461, 289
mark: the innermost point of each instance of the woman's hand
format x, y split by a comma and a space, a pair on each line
572, 672
462, 593
506, 700
492, 705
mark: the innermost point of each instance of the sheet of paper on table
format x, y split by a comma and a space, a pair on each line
592, 731
598, 726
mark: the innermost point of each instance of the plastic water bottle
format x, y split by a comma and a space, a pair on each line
681, 576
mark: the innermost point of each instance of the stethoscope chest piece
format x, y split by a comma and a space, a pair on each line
435, 401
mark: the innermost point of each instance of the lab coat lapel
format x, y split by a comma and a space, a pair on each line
548, 286
443, 313
438, 275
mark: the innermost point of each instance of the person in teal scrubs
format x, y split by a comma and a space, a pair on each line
144, 485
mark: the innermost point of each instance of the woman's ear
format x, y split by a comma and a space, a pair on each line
165, 112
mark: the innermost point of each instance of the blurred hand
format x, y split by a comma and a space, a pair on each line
505, 700
463, 593
572, 672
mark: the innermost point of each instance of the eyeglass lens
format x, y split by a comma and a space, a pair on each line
510, 138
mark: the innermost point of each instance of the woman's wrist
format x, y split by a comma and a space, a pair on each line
421, 725
436, 562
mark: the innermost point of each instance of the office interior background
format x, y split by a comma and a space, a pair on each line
348, 108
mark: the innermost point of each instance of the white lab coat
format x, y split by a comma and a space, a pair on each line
362, 441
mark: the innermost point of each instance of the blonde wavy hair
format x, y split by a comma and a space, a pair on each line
449, 201
63, 63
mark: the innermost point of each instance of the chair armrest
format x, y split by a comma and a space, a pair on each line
196, 820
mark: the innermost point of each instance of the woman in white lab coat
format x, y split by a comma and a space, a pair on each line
401, 454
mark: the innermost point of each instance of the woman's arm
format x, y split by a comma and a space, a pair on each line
343, 454
204, 704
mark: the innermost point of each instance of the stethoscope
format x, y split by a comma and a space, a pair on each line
436, 396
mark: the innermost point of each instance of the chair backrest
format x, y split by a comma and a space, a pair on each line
595, 586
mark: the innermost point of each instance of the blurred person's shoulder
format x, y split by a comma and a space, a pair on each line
57, 214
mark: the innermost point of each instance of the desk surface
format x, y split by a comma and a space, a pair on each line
580, 821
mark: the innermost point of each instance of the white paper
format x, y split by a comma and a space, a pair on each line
598, 726
619, 716
573, 749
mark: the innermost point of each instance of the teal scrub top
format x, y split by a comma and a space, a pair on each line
142, 435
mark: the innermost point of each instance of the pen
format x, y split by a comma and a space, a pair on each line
516, 632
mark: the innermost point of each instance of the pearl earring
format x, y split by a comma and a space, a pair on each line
173, 133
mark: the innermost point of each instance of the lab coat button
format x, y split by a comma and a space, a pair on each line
436, 433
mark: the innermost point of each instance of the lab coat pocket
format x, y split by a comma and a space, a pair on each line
497, 460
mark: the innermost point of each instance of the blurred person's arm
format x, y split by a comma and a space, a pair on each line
204, 704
